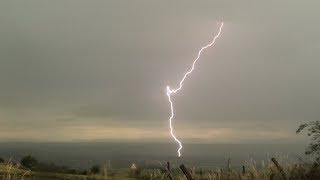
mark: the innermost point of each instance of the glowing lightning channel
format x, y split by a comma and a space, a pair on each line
174, 91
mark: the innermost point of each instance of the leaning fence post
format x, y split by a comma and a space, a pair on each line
280, 169
169, 176
186, 172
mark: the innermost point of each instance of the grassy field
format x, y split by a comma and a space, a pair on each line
272, 169
12, 172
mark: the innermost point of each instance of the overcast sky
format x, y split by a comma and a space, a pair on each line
87, 70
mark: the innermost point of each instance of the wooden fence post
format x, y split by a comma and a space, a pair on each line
186, 172
169, 176
280, 169
243, 170
168, 166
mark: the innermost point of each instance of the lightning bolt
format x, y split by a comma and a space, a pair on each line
174, 91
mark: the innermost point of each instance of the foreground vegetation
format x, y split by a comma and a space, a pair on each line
273, 168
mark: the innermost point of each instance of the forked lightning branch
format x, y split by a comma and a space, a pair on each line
171, 92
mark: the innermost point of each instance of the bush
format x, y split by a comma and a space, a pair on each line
84, 172
314, 133
1, 160
95, 169
29, 161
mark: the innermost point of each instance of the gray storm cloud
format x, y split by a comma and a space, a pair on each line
91, 64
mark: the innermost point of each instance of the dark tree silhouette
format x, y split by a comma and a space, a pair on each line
95, 169
314, 132
28, 161
1, 160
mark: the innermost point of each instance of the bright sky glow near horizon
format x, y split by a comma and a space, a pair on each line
81, 70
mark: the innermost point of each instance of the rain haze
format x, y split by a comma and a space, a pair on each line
98, 70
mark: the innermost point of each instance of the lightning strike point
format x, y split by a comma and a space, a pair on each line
174, 91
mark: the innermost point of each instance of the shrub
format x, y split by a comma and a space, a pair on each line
84, 172
29, 161
1, 160
95, 169
314, 133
